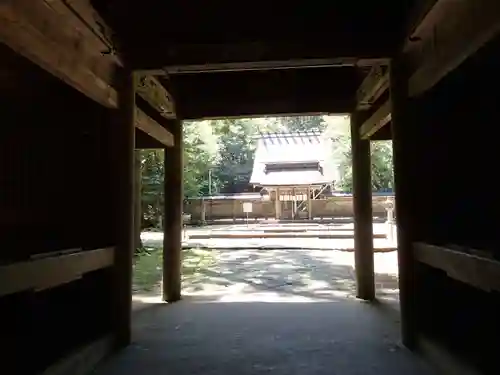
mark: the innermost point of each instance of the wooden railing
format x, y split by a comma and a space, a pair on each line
475, 270
52, 270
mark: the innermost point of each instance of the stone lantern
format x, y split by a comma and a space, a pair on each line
389, 205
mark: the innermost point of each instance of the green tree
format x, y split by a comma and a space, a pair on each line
303, 123
200, 153
152, 170
338, 129
236, 154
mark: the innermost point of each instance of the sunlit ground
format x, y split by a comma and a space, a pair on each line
265, 275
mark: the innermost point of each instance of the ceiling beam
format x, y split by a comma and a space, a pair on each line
265, 108
447, 35
376, 121
373, 86
186, 58
53, 36
152, 128
145, 141
155, 94
263, 93
272, 64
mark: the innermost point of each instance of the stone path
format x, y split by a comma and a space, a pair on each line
284, 274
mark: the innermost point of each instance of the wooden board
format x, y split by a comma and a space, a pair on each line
153, 92
52, 36
471, 269
372, 87
43, 273
144, 141
83, 360
448, 34
379, 119
442, 358
254, 55
152, 128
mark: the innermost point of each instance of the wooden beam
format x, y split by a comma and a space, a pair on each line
83, 360
251, 93
210, 57
173, 207
417, 15
405, 150
91, 18
478, 271
122, 146
448, 34
362, 206
269, 65
372, 87
51, 271
153, 92
144, 141
442, 358
379, 119
152, 128
53, 37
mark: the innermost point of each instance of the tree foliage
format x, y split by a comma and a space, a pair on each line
338, 128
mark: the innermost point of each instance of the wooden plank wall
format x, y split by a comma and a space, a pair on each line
55, 217
456, 236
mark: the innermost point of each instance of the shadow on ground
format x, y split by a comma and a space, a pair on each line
280, 311
311, 274
265, 274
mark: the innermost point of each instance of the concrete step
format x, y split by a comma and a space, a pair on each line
312, 229
263, 234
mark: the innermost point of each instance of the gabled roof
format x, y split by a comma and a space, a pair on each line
300, 158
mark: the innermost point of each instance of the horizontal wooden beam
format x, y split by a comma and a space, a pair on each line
417, 14
47, 272
185, 58
269, 65
153, 92
372, 87
448, 34
379, 119
54, 37
145, 141
261, 93
477, 271
153, 129
83, 360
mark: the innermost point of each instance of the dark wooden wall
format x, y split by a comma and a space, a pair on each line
456, 127
54, 195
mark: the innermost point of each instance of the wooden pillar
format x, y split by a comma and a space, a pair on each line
277, 204
362, 205
404, 153
122, 150
137, 199
309, 203
203, 211
172, 234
